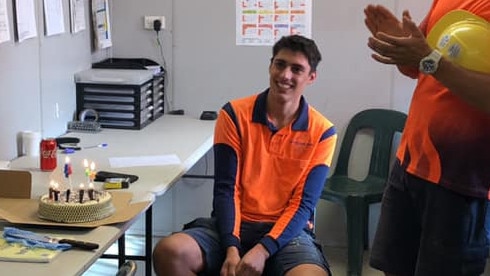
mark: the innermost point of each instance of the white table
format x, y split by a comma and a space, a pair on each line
187, 138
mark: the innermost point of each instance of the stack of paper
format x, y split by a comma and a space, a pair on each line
17, 252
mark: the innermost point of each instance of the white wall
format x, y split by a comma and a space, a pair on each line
132, 41
36, 75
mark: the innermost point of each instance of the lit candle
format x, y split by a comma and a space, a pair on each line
86, 169
91, 191
92, 171
67, 168
68, 191
81, 192
51, 189
56, 191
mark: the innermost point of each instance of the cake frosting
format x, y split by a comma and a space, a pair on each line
75, 210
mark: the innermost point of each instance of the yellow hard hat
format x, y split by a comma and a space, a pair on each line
463, 38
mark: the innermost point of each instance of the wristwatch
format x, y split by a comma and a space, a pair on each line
430, 63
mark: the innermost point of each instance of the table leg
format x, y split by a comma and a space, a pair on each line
148, 239
121, 250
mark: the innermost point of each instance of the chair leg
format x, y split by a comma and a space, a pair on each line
355, 235
366, 227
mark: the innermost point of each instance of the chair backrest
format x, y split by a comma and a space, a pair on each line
384, 123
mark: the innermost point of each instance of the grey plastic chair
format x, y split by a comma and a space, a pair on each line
356, 196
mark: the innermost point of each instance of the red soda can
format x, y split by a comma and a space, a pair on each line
48, 149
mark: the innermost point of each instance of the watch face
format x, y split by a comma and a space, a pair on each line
429, 66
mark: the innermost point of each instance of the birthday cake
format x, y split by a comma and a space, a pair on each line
67, 208
67, 205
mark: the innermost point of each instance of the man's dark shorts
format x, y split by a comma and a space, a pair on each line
425, 229
301, 250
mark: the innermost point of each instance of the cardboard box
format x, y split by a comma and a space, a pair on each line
17, 207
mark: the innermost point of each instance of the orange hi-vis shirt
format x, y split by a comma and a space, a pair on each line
446, 141
267, 175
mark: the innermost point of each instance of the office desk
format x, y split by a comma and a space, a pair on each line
187, 138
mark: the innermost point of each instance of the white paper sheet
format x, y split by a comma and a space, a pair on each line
53, 17
139, 161
4, 165
77, 16
101, 19
26, 19
4, 22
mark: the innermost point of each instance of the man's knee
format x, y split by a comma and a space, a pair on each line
177, 251
174, 246
165, 247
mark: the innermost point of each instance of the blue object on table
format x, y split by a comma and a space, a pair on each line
31, 239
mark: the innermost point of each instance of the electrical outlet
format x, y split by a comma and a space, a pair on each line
148, 21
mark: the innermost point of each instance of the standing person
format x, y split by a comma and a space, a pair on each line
435, 213
272, 156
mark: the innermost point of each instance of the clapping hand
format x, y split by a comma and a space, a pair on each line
380, 20
393, 41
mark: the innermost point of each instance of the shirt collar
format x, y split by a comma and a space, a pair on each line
260, 112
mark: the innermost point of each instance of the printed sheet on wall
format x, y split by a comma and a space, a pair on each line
263, 22
101, 24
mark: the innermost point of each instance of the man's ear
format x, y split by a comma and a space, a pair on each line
312, 77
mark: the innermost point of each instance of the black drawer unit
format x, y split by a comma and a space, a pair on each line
158, 95
122, 98
142, 64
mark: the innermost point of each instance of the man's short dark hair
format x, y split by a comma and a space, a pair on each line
298, 43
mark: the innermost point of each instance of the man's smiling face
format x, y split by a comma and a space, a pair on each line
289, 74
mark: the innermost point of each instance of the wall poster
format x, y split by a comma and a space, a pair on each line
101, 24
263, 22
